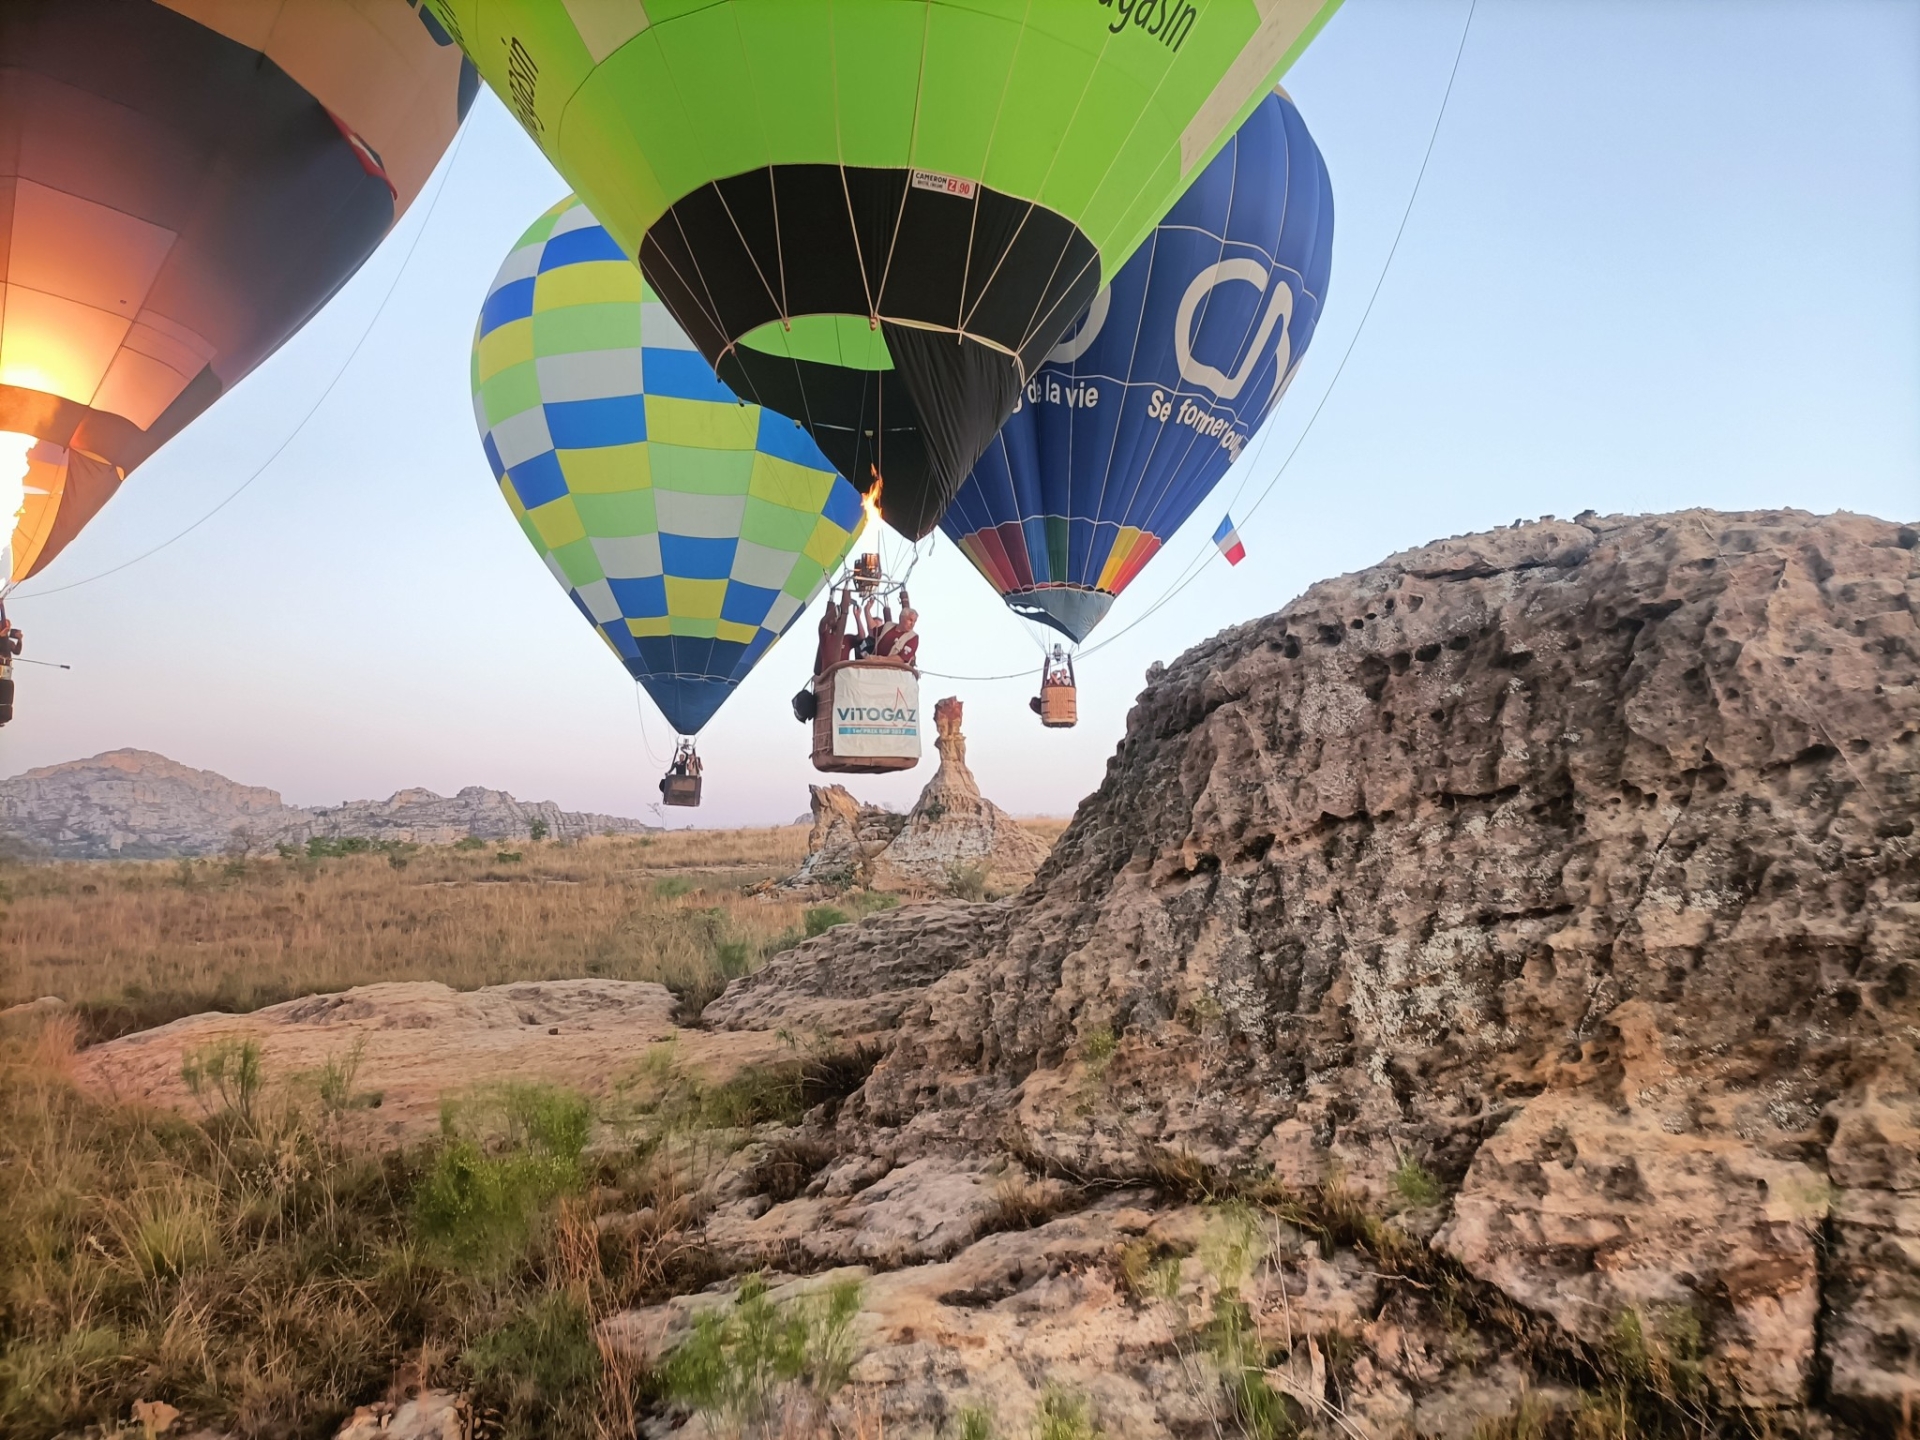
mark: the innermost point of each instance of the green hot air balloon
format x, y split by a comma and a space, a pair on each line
689, 528
878, 216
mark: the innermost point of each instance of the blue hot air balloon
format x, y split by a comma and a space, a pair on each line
1139, 411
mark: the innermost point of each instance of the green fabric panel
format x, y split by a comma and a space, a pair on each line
513, 390
629, 514
702, 52
876, 113
580, 564
586, 327
789, 483
529, 529
806, 574
1058, 566
851, 339
775, 526
785, 48
968, 56
1048, 77
695, 470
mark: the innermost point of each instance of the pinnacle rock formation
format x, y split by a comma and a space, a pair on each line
952, 832
1549, 895
954, 828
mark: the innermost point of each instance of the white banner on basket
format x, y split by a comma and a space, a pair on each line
876, 712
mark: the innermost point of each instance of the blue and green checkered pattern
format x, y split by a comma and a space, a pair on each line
691, 529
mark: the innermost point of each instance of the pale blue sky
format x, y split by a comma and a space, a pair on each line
1666, 254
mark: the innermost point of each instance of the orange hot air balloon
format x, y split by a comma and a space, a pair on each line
183, 183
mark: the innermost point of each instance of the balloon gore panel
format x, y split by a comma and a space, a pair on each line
955, 176
181, 187
691, 529
1137, 414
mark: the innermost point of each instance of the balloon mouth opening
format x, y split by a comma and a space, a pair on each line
14, 465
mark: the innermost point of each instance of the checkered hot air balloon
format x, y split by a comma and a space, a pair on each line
690, 528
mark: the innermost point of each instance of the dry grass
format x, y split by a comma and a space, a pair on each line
136, 943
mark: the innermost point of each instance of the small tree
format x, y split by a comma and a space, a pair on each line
537, 831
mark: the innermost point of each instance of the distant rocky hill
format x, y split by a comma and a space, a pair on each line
135, 804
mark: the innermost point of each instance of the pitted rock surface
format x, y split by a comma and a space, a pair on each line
953, 827
1573, 862
953, 832
857, 978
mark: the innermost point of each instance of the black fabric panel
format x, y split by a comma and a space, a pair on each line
792, 240
963, 392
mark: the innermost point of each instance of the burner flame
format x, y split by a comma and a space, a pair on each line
870, 499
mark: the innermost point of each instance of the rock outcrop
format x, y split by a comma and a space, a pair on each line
406, 1045
845, 838
134, 804
953, 828
952, 835
1553, 889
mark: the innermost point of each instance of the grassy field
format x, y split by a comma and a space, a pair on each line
137, 943
251, 1269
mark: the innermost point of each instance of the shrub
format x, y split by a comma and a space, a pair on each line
672, 887
821, 918
1416, 1184
974, 1423
508, 857
480, 1206
470, 842
743, 1365
968, 882
540, 1368
1064, 1416
537, 830
231, 1070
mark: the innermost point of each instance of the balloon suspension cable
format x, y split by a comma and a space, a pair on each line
640, 705
1197, 566
426, 218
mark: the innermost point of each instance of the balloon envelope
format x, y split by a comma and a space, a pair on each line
690, 528
182, 185
1141, 409
878, 216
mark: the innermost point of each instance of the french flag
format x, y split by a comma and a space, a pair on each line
1228, 539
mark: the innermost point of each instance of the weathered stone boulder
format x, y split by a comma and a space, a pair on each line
1571, 865
845, 838
404, 1046
953, 830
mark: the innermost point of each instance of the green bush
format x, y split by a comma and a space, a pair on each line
968, 882
537, 830
470, 842
1416, 1184
821, 918
230, 1070
479, 1206
540, 1369
672, 887
1064, 1416
743, 1364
